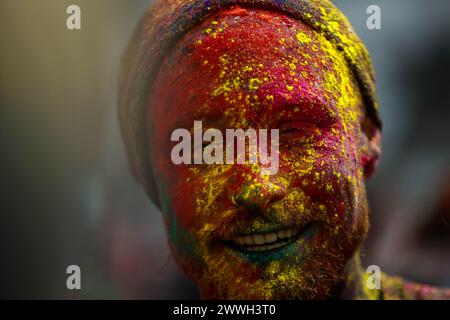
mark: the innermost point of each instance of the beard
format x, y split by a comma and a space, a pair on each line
313, 269
310, 273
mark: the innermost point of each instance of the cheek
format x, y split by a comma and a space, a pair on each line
175, 183
329, 178
178, 185
179, 211
183, 199
197, 194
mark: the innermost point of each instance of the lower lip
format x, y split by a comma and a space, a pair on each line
278, 253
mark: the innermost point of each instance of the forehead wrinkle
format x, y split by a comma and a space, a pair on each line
312, 98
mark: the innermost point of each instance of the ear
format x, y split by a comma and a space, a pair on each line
371, 146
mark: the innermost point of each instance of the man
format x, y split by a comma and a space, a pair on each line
295, 66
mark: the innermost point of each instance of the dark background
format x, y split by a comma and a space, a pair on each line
67, 196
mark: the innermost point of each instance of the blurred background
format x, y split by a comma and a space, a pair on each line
67, 196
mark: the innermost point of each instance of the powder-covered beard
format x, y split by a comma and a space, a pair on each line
311, 274
316, 282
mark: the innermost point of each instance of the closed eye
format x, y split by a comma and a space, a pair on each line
296, 129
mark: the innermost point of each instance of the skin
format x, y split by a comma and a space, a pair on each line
252, 68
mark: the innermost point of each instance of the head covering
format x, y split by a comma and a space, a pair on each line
166, 21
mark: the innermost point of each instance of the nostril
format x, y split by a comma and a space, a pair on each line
233, 200
240, 200
255, 198
276, 198
246, 203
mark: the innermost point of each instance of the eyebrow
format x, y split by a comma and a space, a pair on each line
308, 108
186, 121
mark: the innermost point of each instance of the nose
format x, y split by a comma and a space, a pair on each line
257, 193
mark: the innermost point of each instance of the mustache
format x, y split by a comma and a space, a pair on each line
229, 223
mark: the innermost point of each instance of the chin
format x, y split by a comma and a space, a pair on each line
308, 269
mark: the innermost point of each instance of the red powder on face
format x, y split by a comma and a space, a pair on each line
258, 69
235, 11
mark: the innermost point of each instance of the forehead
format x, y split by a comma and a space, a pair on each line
247, 65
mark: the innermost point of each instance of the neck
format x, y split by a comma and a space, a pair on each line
353, 285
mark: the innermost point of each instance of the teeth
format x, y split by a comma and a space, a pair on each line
266, 247
259, 239
270, 237
288, 233
248, 240
266, 241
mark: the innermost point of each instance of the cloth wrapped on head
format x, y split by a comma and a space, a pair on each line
166, 21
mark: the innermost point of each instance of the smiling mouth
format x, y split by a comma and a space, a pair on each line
263, 242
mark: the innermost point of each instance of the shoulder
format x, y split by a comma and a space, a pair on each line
397, 288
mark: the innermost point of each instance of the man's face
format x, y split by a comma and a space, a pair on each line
237, 232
